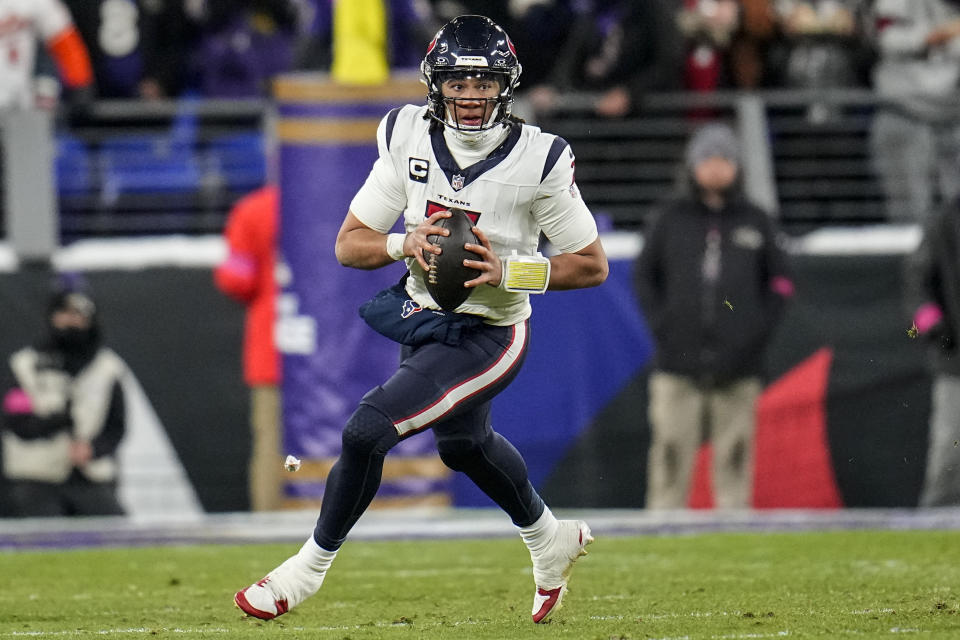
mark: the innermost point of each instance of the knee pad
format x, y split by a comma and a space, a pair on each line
369, 431
456, 452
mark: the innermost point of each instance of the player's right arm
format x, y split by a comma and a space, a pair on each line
364, 240
361, 247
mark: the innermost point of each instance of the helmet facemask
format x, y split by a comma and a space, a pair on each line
493, 106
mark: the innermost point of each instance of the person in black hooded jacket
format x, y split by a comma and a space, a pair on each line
711, 281
63, 416
932, 284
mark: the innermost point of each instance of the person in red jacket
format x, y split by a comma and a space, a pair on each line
247, 275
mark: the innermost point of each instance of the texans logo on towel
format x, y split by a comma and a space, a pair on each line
410, 307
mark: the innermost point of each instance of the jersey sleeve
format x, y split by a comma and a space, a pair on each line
382, 198
560, 211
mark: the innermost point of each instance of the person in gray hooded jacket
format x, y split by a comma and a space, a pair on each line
712, 282
915, 135
63, 416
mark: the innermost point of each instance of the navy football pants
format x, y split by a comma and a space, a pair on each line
449, 390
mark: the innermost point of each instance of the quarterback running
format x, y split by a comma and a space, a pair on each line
462, 150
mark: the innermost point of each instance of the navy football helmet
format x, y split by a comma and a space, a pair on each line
470, 46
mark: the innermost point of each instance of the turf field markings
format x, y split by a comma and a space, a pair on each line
691, 614
736, 636
425, 573
866, 612
108, 632
751, 636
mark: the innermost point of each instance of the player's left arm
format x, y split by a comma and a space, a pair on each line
587, 267
566, 221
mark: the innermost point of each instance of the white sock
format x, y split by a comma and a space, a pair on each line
315, 556
540, 533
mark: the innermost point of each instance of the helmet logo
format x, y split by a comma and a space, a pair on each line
471, 61
441, 61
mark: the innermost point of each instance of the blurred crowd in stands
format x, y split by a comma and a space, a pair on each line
616, 48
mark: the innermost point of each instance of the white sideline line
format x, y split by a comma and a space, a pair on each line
446, 523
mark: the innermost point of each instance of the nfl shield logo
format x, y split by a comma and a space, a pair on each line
457, 182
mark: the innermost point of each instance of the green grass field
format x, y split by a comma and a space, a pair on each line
861, 584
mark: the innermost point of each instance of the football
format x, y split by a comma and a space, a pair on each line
447, 274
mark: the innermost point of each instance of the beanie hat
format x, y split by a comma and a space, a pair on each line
72, 293
713, 140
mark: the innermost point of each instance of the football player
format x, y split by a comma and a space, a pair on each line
462, 149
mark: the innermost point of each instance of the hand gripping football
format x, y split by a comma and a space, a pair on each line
447, 274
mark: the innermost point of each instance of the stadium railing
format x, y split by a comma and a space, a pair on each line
807, 154
131, 168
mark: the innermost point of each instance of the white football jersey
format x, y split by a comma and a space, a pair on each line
524, 186
22, 23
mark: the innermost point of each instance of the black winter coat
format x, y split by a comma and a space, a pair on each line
932, 275
705, 284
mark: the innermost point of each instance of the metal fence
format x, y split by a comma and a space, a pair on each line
135, 168
806, 154
160, 168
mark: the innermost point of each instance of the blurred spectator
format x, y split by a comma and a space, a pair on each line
708, 28
915, 138
933, 296
247, 275
750, 46
63, 415
314, 44
822, 46
617, 49
712, 283
118, 35
539, 30
412, 23
49, 23
242, 45
497, 10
